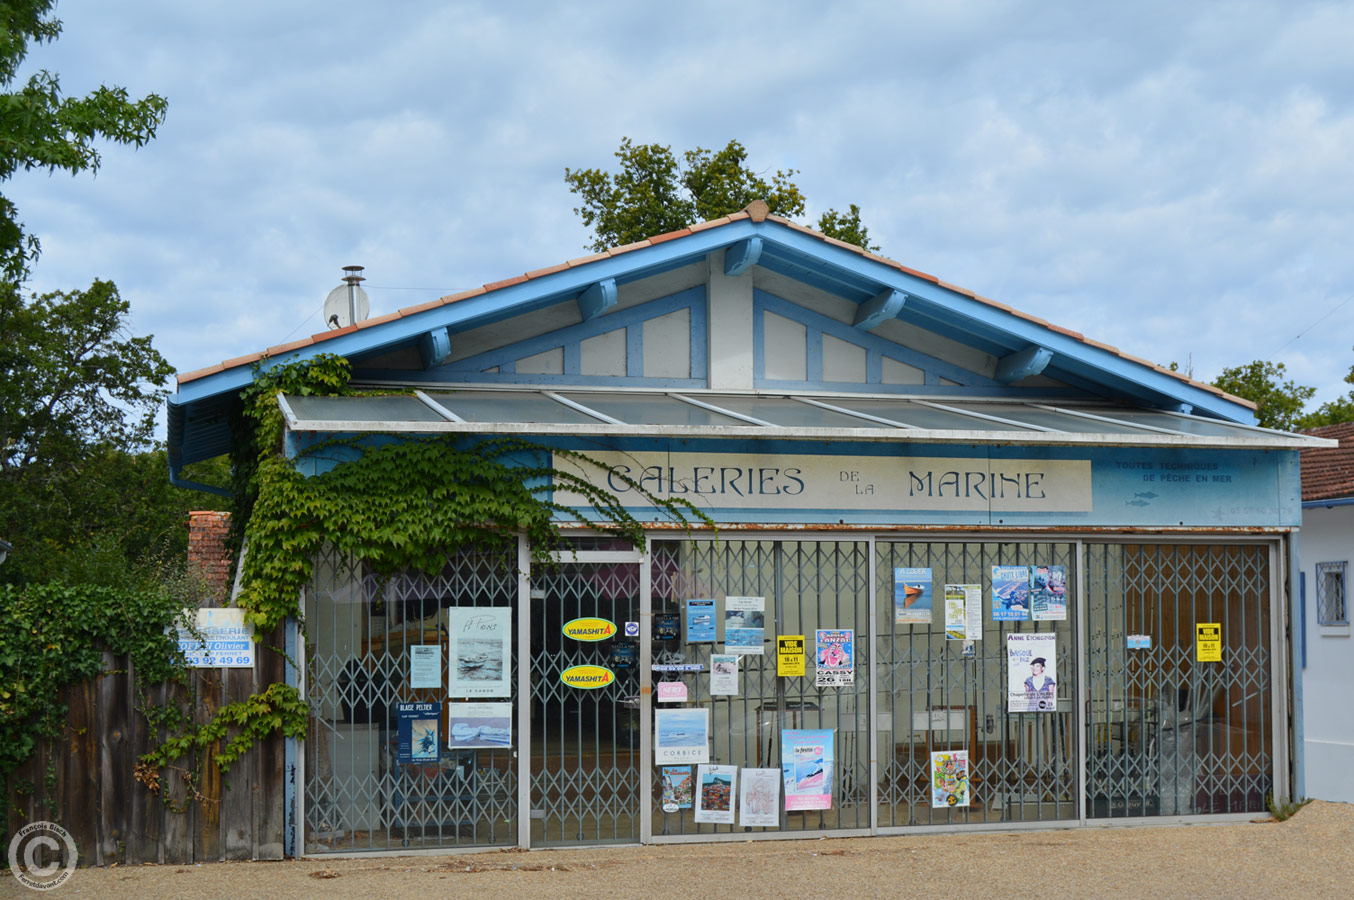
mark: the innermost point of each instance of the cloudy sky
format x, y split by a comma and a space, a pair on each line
1171, 178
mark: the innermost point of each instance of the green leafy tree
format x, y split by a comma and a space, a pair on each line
1279, 402
1332, 412
78, 391
654, 192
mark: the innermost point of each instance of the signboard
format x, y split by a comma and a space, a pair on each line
807, 481
790, 655
478, 651
587, 678
589, 628
671, 691
724, 675
1209, 645
227, 640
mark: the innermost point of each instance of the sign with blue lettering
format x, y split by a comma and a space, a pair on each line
223, 639
859, 483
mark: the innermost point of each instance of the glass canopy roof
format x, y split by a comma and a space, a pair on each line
699, 413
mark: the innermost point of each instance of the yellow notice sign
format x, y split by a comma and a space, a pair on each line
790, 655
1209, 642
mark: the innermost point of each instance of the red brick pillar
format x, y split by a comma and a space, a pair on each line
207, 550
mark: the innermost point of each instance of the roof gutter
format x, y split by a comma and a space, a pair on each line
1334, 501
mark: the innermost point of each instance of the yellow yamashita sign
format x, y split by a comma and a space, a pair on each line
590, 629
587, 678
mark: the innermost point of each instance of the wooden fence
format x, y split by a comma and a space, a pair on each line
84, 781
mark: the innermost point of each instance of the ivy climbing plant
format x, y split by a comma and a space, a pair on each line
396, 504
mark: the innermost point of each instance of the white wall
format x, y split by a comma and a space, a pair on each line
1328, 712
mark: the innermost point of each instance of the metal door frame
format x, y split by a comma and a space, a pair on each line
524, 571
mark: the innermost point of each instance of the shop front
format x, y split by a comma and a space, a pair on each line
966, 570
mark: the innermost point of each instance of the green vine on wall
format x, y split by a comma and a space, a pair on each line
397, 505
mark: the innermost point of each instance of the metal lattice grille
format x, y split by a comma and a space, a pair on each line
1022, 766
359, 628
807, 585
1331, 608
585, 766
1169, 734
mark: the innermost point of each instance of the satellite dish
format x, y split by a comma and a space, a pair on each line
347, 304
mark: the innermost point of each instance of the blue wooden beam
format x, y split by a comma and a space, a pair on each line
597, 299
1023, 363
742, 256
434, 347
879, 308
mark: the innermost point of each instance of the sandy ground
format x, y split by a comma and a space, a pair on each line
1309, 856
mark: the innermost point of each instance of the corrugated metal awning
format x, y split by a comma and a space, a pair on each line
773, 415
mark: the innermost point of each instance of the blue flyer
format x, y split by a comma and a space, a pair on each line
1010, 593
700, 621
418, 727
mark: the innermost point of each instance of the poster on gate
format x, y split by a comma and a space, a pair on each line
478, 651
834, 660
1031, 672
806, 761
949, 778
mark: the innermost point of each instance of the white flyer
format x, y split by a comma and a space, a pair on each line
723, 675
425, 666
715, 786
759, 798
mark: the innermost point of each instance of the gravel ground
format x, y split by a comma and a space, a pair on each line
1309, 856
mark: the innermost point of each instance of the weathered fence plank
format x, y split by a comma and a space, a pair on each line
115, 781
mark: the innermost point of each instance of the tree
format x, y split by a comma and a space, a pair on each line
78, 392
1332, 412
653, 193
1278, 402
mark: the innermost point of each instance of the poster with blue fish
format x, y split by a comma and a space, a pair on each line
418, 726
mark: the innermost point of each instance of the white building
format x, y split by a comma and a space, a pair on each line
1327, 655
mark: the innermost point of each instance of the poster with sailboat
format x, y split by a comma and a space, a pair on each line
478, 652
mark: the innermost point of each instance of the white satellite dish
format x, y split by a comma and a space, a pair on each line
347, 303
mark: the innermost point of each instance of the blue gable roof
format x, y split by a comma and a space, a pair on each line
854, 333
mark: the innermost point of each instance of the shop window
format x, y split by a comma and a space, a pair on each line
1331, 608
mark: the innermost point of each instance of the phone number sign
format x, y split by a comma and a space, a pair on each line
223, 639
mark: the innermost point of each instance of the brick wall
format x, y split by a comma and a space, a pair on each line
207, 549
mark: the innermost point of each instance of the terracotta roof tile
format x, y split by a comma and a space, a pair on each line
379, 320
1328, 472
584, 260
660, 238
287, 348
548, 270
626, 248
713, 223
247, 360
200, 373
506, 282
424, 307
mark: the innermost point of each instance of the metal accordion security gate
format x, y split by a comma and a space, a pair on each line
1136, 721
1168, 732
